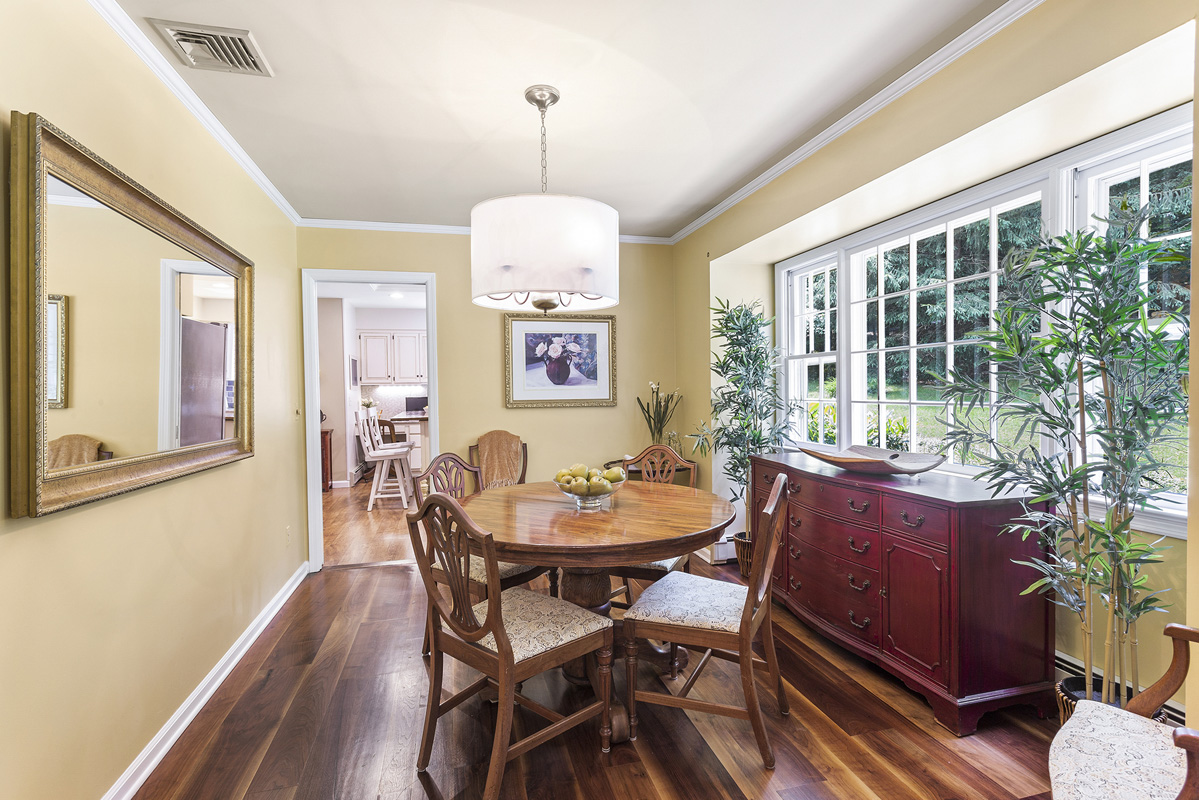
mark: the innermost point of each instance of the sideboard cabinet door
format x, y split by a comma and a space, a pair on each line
916, 609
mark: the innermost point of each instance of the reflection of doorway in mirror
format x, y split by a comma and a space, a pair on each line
197, 292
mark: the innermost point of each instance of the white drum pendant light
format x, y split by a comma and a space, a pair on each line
544, 251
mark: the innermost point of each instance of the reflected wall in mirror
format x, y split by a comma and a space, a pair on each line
158, 359
56, 351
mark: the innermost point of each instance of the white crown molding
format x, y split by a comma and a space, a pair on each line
78, 202
990, 25
137, 772
984, 29
449, 230
127, 29
399, 227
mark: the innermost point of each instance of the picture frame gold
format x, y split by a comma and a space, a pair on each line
559, 360
42, 152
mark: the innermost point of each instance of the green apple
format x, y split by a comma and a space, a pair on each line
579, 486
614, 475
592, 474
563, 476
596, 486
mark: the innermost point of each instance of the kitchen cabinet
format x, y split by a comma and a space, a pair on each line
916, 574
388, 357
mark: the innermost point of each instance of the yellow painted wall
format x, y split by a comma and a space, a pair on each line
470, 344
112, 613
108, 267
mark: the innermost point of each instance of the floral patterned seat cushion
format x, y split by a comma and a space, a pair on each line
536, 622
691, 601
478, 569
665, 565
1105, 753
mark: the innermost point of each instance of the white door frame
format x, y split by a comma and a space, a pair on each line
312, 415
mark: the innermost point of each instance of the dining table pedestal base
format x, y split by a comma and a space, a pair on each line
592, 590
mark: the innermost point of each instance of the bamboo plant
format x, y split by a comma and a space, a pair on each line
748, 415
1086, 395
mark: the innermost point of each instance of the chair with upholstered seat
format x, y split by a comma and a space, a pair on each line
449, 474
721, 617
511, 636
502, 458
657, 463
1108, 753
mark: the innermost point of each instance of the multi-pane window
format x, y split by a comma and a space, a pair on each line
811, 366
1161, 177
917, 302
913, 291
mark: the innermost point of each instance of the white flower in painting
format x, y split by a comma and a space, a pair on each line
555, 350
574, 348
540, 350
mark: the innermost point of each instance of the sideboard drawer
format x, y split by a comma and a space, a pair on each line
841, 593
840, 539
860, 506
917, 520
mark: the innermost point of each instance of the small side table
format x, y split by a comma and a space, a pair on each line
326, 459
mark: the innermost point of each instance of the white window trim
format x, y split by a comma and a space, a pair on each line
1055, 178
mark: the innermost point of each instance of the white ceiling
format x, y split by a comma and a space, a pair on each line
400, 111
374, 295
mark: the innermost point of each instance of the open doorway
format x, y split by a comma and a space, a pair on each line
369, 341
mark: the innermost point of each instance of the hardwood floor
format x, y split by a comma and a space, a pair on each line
329, 703
355, 536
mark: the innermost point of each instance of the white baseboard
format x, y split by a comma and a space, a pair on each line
722, 552
341, 484
133, 777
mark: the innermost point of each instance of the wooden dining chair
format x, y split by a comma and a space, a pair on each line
722, 617
496, 454
511, 636
449, 474
1108, 753
387, 462
657, 463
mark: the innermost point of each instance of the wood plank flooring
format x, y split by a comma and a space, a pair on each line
355, 536
329, 703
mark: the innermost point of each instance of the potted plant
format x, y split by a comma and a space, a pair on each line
748, 416
657, 413
1089, 394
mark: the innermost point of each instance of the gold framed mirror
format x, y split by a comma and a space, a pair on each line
156, 353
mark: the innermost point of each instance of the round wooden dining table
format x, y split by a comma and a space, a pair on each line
534, 523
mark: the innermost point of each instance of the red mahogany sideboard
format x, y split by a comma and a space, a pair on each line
913, 573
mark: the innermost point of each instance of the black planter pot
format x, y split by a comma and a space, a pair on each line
1070, 690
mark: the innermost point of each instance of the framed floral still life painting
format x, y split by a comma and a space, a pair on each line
559, 360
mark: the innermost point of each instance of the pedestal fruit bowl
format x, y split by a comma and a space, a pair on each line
589, 486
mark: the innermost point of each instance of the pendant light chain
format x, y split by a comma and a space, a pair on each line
544, 181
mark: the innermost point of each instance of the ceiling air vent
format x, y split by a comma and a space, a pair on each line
210, 47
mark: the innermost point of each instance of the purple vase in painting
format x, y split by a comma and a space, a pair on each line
557, 370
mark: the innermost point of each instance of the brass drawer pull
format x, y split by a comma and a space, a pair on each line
856, 510
864, 548
793, 487
796, 585
794, 553
865, 585
795, 523
767, 478
903, 515
859, 625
